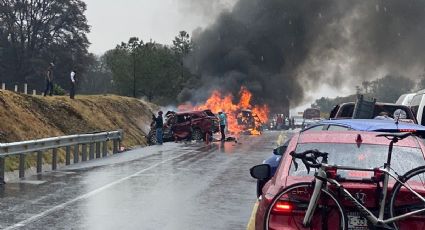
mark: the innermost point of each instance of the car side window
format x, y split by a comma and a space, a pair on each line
347, 110
182, 118
195, 116
338, 128
423, 118
414, 105
334, 112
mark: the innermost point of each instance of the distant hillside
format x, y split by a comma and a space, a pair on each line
25, 117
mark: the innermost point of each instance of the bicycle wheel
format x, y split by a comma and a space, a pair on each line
287, 210
404, 201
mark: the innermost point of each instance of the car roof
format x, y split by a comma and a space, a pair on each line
376, 103
352, 137
191, 112
373, 125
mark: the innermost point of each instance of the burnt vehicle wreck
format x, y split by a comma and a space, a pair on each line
249, 122
193, 125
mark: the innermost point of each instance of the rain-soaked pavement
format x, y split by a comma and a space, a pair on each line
174, 186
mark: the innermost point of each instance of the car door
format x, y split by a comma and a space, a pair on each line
182, 128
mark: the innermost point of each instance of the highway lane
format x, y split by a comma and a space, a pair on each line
175, 186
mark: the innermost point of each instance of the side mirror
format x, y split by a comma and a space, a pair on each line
261, 172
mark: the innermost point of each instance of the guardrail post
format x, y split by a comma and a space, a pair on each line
115, 143
68, 155
3, 86
39, 161
105, 149
91, 151
97, 149
21, 165
54, 159
16, 88
2, 169
84, 152
34, 92
26, 88
76, 152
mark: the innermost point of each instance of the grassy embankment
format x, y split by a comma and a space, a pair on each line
25, 117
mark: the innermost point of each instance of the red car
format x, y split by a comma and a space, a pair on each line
345, 149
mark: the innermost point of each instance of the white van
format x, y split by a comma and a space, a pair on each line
405, 99
418, 106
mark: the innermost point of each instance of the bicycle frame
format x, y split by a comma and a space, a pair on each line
322, 180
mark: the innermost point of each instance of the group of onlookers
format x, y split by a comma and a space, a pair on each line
50, 78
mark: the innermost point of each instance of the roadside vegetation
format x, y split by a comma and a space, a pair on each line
386, 89
25, 117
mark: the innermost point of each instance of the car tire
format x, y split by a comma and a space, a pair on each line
152, 139
197, 135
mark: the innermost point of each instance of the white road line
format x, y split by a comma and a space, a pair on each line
87, 195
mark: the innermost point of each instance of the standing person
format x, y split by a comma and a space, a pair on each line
72, 90
223, 121
159, 125
49, 80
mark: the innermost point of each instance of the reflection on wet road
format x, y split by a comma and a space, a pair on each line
175, 186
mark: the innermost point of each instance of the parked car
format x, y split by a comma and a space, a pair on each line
350, 148
298, 122
405, 99
346, 110
417, 105
370, 125
192, 125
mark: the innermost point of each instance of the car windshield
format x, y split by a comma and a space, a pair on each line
365, 156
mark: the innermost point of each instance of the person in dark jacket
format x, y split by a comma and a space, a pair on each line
49, 80
159, 125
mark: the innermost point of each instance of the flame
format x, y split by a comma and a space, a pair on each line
218, 102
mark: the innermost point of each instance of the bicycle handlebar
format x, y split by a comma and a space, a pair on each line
309, 158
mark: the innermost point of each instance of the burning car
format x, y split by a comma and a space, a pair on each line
249, 122
193, 125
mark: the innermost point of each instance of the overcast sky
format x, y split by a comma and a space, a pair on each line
114, 21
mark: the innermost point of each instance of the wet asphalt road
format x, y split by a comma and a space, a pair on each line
174, 186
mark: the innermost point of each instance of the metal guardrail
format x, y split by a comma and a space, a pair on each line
91, 142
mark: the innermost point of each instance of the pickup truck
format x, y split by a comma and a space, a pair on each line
346, 111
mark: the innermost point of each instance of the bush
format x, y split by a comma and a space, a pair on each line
58, 90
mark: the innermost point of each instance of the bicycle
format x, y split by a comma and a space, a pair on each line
326, 177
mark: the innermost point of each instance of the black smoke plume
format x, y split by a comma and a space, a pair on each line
281, 49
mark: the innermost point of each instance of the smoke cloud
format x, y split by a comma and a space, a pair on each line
280, 49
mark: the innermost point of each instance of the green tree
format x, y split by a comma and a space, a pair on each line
182, 44
34, 33
97, 79
390, 87
150, 69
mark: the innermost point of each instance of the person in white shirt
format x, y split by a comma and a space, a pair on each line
73, 80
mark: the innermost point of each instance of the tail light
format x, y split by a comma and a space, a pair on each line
407, 130
282, 207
